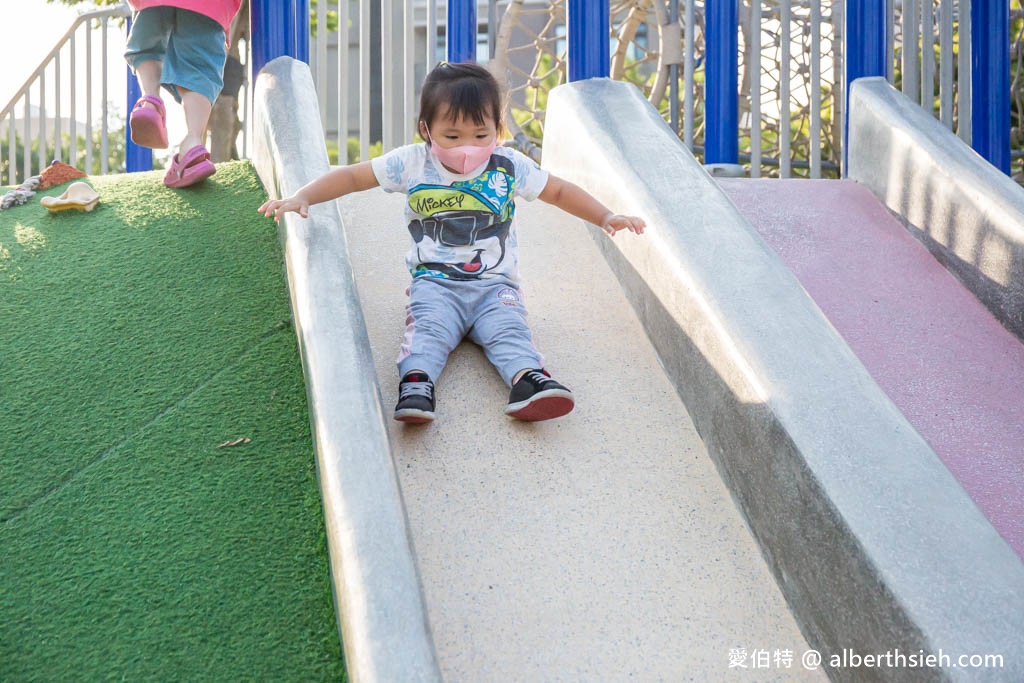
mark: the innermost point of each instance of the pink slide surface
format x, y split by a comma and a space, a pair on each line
953, 370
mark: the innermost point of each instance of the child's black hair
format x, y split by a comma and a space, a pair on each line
468, 90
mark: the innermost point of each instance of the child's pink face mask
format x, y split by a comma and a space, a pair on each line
464, 158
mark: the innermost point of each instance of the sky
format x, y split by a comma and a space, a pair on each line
25, 41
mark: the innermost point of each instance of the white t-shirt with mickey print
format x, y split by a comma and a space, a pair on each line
462, 226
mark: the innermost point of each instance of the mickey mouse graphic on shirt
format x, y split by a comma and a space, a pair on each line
460, 230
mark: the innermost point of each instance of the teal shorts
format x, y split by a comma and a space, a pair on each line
190, 45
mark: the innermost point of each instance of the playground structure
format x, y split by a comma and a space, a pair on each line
463, 554
663, 46
870, 538
876, 541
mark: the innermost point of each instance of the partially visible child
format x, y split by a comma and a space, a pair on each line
464, 257
181, 45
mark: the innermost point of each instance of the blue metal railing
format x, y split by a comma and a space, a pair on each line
588, 38
462, 28
279, 28
587, 28
866, 46
990, 77
721, 94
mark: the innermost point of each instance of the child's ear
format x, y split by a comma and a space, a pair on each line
423, 130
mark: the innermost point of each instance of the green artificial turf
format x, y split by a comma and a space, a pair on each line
134, 340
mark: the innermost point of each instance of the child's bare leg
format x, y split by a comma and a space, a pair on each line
148, 73
197, 116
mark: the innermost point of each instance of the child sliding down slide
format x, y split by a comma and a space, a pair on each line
463, 260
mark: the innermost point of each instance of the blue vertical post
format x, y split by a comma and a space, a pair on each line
589, 38
300, 30
135, 158
267, 42
865, 48
990, 81
462, 24
721, 85
278, 28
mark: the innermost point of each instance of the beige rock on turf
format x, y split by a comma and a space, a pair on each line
79, 196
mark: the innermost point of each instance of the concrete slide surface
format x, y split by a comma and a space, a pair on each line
600, 546
943, 358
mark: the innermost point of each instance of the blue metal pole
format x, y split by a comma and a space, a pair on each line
721, 85
300, 30
278, 28
865, 47
990, 81
588, 28
462, 26
136, 158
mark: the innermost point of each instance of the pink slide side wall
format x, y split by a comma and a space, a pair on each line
953, 370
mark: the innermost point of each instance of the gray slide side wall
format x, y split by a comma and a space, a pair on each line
968, 213
377, 592
874, 543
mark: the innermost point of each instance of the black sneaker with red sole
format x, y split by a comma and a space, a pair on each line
537, 397
415, 399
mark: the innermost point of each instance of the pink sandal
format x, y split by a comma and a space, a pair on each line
149, 126
189, 169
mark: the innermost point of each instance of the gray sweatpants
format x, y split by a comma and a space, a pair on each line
441, 312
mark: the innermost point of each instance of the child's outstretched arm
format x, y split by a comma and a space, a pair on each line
574, 199
331, 185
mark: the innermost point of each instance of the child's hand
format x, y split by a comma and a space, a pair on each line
277, 207
616, 222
